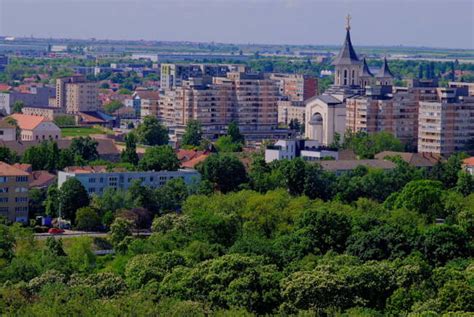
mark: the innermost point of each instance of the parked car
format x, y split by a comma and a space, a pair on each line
55, 231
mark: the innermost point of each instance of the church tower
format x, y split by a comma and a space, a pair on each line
366, 78
384, 76
347, 64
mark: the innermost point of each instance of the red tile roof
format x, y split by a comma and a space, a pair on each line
469, 161
195, 161
27, 122
23, 167
42, 179
9, 170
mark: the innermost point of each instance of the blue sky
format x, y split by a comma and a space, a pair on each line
434, 23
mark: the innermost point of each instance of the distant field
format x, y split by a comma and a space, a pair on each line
82, 131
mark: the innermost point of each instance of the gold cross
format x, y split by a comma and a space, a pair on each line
348, 22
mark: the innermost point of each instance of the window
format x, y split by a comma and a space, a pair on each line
92, 190
3, 209
3, 179
91, 180
20, 179
21, 190
3, 200
21, 209
4, 190
21, 199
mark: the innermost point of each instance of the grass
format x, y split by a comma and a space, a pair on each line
80, 131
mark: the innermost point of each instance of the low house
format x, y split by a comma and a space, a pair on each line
468, 165
7, 131
36, 127
106, 148
344, 166
308, 150
427, 160
96, 179
190, 158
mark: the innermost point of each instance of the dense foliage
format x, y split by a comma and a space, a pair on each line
285, 238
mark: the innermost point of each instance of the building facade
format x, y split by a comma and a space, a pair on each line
7, 131
172, 75
74, 94
446, 125
36, 128
296, 87
96, 179
35, 97
291, 110
13, 193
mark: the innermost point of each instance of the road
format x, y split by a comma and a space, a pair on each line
75, 234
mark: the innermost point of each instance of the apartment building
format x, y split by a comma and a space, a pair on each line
383, 108
13, 193
447, 124
34, 96
291, 110
147, 102
172, 75
249, 99
96, 179
296, 87
74, 94
469, 86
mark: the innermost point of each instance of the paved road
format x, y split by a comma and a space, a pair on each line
75, 234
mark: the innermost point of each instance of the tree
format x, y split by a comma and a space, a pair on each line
54, 247
233, 131
319, 231
225, 144
422, 196
7, 242
144, 268
113, 106
72, 196
85, 147
17, 106
129, 155
294, 173
87, 219
7, 155
51, 204
36, 199
192, 134
172, 195
465, 183
233, 280
159, 158
120, 230
444, 242
224, 171
152, 132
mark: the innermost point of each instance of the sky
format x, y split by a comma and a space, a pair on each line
431, 23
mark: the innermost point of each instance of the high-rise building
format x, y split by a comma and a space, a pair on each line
172, 75
249, 99
447, 124
13, 193
35, 97
296, 87
290, 111
74, 94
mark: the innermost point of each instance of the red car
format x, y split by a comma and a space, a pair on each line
55, 231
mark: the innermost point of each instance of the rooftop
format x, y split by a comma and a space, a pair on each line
9, 170
27, 122
349, 165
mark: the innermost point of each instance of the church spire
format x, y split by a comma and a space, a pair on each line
365, 69
347, 54
384, 72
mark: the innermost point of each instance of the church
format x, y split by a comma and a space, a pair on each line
326, 113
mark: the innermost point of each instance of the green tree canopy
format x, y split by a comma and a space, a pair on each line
159, 158
152, 132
